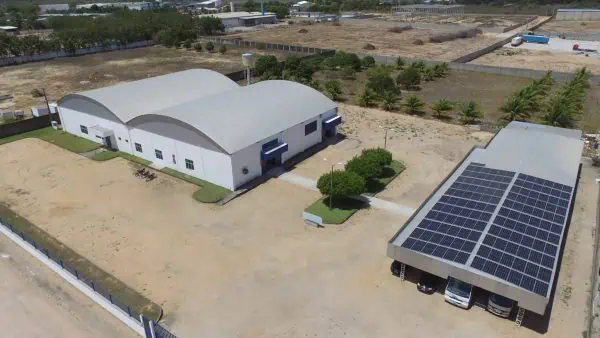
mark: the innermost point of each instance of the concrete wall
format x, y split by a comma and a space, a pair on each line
14, 128
578, 15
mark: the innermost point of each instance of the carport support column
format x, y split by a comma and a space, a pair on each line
520, 316
402, 271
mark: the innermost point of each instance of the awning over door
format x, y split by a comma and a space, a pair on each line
273, 151
332, 122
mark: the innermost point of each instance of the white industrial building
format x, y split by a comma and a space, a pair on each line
201, 123
244, 19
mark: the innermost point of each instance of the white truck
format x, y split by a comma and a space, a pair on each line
458, 293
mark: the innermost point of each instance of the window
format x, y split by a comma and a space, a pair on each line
174, 162
158, 154
310, 128
189, 164
119, 138
83, 129
138, 147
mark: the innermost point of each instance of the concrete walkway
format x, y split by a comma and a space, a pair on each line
311, 184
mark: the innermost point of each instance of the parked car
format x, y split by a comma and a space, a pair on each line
458, 293
427, 283
499, 305
395, 268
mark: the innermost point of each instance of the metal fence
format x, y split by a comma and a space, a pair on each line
268, 46
160, 331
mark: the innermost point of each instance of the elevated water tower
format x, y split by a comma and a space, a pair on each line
248, 61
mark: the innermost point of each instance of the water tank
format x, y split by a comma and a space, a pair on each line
248, 60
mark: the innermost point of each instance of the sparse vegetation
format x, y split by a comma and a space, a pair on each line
369, 46
441, 108
400, 29
210, 46
413, 105
470, 112
334, 90
409, 78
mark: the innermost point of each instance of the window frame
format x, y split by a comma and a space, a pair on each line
189, 164
158, 154
140, 150
310, 128
84, 129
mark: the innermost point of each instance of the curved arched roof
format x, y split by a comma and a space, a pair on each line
233, 117
132, 99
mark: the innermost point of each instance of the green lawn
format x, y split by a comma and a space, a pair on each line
389, 173
341, 211
109, 154
71, 260
208, 192
64, 140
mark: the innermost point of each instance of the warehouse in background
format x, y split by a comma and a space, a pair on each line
499, 219
577, 14
244, 19
201, 123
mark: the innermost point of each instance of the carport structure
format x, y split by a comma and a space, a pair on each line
499, 220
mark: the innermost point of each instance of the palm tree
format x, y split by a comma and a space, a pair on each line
389, 100
428, 74
516, 108
366, 98
470, 112
413, 105
441, 107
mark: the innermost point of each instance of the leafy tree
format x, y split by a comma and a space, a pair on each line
198, 47
292, 63
470, 112
400, 63
441, 107
209, 25
419, 65
222, 49
382, 156
389, 100
413, 105
264, 64
280, 10
380, 81
368, 62
316, 85
565, 106
409, 78
367, 167
343, 59
210, 46
366, 98
251, 6
305, 70
334, 89
341, 184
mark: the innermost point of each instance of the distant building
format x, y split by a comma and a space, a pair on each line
237, 19
577, 14
53, 7
10, 30
134, 6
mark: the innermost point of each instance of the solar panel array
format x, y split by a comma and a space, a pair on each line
451, 229
523, 242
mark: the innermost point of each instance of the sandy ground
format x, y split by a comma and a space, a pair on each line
68, 75
353, 36
540, 60
37, 303
252, 268
467, 20
572, 26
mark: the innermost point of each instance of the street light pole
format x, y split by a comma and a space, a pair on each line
330, 187
47, 105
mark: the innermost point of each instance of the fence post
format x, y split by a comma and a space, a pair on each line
110, 298
61, 264
76, 274
128, 311
93, 287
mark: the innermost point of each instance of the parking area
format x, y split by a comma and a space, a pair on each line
252, 268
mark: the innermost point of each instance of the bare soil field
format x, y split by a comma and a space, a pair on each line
571, 26
468, 20
541, 60
252, 268
68, 75
352, 37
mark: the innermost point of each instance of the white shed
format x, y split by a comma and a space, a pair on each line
201, 123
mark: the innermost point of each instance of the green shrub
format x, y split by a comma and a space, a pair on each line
266, 64
389, 100
366, 98
381, 155
36, 93
470, 112
380, 81
341, 184
409, 78
198, 47
413, 105
187, 44
441, 107
210, 47
400, 63
368, 61
334, 89
367, 167
222, 49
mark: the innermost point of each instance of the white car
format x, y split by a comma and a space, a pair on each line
458, 293
500, 306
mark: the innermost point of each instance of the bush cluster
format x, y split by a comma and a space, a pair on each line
449, 36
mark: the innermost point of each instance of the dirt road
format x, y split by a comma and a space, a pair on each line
35, 302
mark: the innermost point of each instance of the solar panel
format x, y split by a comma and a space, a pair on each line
525, 235
452, 227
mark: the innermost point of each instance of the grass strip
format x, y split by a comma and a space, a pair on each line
341, 210
122, 295
208, 192
62, 139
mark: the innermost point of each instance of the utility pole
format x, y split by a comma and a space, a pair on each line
47, 105
385, 140
331, 188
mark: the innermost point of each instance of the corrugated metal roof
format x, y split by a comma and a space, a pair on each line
132, 99
238, 118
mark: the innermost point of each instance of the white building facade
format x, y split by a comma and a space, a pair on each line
201, 123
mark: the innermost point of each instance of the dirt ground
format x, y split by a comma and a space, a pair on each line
541, 60
252, 268
571, 26
467, 20
68, 75
35, 302
353, 36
